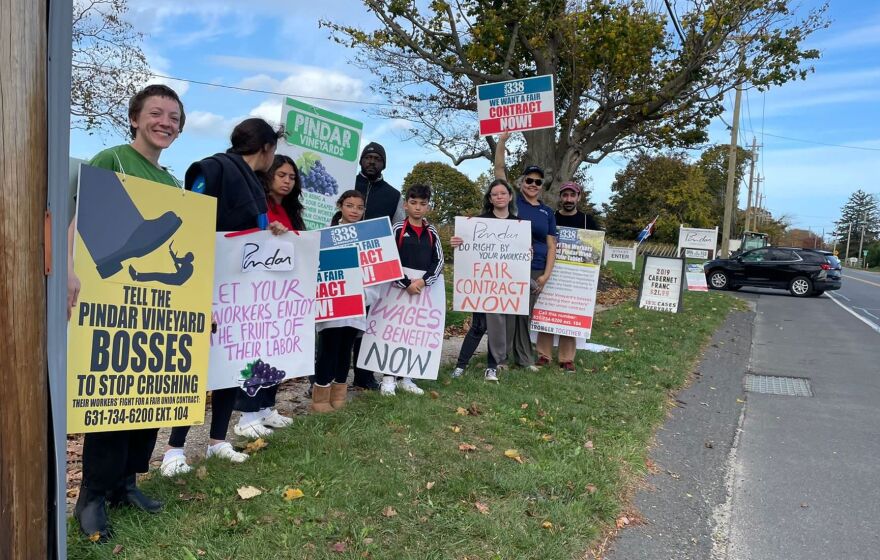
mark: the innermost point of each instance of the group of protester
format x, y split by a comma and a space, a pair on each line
257, 189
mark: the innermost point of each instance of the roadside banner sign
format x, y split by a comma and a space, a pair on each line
516, 105
620, 254
265, 317
326, 148
662, 284
568, 301
137, 340
697, 243
404, 333
696, 278
340, 285
377, 248
492, 266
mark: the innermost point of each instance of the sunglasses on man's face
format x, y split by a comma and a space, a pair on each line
536, 182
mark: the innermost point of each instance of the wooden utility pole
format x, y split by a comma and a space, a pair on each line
731, 177
23, 187
748, 226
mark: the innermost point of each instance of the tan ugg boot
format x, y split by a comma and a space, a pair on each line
338, 394
321, 399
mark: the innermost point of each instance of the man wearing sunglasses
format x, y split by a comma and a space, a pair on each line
543, 221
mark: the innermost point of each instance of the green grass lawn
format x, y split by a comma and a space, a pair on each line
387, 477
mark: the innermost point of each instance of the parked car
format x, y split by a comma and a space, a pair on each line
836, 271
803, 272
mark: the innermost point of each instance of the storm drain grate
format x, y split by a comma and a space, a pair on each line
772, 385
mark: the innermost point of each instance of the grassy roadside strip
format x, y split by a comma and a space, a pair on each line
413, 478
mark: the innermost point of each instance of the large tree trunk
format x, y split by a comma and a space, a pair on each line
23, 392
559, 161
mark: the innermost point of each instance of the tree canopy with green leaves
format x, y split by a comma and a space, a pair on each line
629, 74
452, 192
861, 210
665, 185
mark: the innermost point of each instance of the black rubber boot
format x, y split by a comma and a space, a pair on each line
130, 494
111, 225
91, 514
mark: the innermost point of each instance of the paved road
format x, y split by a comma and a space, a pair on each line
800, 480
806, 469
860, 292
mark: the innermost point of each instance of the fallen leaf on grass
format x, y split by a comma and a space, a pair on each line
629, 331
589, 445
292, 494
467, 447
117, 549
200, 552
368, 541
513, 454
655, 368
546, 525
389, 512
95, 537
429, 485
256, 445
456, 428
622, 521
474, 410
524, 405
547, 437
461, 411
434, 395
338, 547
591, 488
482, 508
202, 472
248, 492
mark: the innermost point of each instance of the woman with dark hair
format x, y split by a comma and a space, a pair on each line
283, 187
231, 178
498, 203
543, 221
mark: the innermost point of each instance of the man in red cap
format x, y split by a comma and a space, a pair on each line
567, 216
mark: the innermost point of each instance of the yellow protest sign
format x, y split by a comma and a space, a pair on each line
139, 336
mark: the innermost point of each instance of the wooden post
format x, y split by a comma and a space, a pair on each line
23, 187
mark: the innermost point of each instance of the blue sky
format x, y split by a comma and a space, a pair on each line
277, 46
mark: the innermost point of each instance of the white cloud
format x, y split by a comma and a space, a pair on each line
269, 111
206, 123
310, 82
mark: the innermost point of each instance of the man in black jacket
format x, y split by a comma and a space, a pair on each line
381, 199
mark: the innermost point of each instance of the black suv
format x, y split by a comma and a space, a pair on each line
803, 272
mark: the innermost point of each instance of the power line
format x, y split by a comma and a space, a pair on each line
822, 143
252, 90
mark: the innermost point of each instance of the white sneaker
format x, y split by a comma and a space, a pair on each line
225, 451
409, 386
457, 372
276, 420
386, 389
252, 430
491, 375
174, 466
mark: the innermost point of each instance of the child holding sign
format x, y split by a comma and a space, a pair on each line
336, 337
498, 203
420, 249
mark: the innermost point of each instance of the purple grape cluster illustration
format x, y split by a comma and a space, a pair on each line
315, 177
258, 374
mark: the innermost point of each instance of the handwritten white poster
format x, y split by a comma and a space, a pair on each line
492, 266
404, 333
265, 318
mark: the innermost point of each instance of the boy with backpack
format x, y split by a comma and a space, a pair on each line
419, 246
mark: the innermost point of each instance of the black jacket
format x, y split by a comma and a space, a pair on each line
381, 199
420, 252
241, 200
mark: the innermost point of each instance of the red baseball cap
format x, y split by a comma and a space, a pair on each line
570, 186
